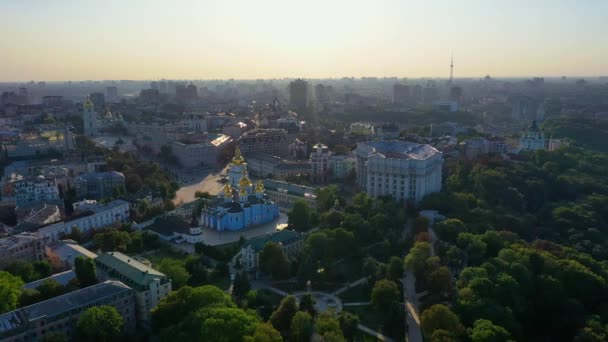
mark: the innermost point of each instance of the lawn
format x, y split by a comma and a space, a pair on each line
359, 293
367, 315
165, 252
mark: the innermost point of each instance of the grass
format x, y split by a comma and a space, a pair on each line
367, 315
165, 252
359, 293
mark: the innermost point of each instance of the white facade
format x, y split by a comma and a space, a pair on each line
532, 139
341, 166
319, 162
89, 117
115, 212
402, 170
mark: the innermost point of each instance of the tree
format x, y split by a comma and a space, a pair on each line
273, 261
329, 327
179, 304
449, 229
421, 224
10, 289
439, 281
307, 303
224, 324
301, 327
384, 293
241, 285
326, 197
441, 317
264, 332
282, 316
349, 323
22, 269
486, 331
395, 268
113, 240
42, 268
299, 217
176, 271
100, 323
416, 258
85, 271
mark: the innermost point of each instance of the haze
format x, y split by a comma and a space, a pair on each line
112, 39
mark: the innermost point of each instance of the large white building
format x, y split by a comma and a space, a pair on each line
89, 117
532, 139
402, 170
319, 162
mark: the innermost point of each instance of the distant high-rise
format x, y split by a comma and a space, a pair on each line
452, 68
186, 94
89, 118
401, 93
299, 94
456, 93
24, 96
99, 100
111, 94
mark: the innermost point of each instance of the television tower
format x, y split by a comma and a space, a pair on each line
452, 68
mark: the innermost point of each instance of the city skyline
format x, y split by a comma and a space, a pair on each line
91, 40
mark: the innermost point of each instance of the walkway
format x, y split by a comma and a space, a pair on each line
374, 333
348, 286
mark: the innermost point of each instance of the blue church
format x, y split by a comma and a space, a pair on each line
240, 204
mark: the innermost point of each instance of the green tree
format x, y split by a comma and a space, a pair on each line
326, 197
264, 332
179, 304
301, 327
42, 268
328, 326
241, 285
225, 324
85, 271
486, 331
349, 323
307, 303
176, 271
10, 290
299, 217
439, 281
282, 316
23, 269
449, 229
100, 323
273, 261
421, 224
384, 293
439, 316
395, 268
416, 258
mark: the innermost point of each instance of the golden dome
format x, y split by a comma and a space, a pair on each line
243, 192
227, 190
238, 158
259, 187
244, 181
88, 104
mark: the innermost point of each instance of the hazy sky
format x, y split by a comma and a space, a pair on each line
204, 39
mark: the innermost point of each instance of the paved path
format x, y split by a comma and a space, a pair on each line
411, 308
374, 333
324, 300
353, 284
356, 304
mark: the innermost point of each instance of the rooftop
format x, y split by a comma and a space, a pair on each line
55, 306
290, 188
70, 250
169, 224
62, 278
398, 149
284, 237
129, 267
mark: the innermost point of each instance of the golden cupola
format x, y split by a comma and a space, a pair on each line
238, 158
259, 187
227, 190
88, 104
244, 181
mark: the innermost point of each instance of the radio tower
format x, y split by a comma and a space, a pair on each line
452, 68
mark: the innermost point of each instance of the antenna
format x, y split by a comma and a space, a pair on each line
452, 67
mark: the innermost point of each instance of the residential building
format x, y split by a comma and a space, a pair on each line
401, 93
532, 139
290, 241
150, 285
193, 154
195, 122
299, 94
99, 185
63, 253
265, 165
361, 128
267, 141
60, 314
33, 190
403, 170
240, 205
176, 229
387, 131
88, 215
342, 165
23, 246
319, 162
285, 194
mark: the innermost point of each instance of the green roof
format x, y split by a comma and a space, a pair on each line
285, 237
128, 269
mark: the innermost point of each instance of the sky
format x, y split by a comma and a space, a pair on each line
57, 40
